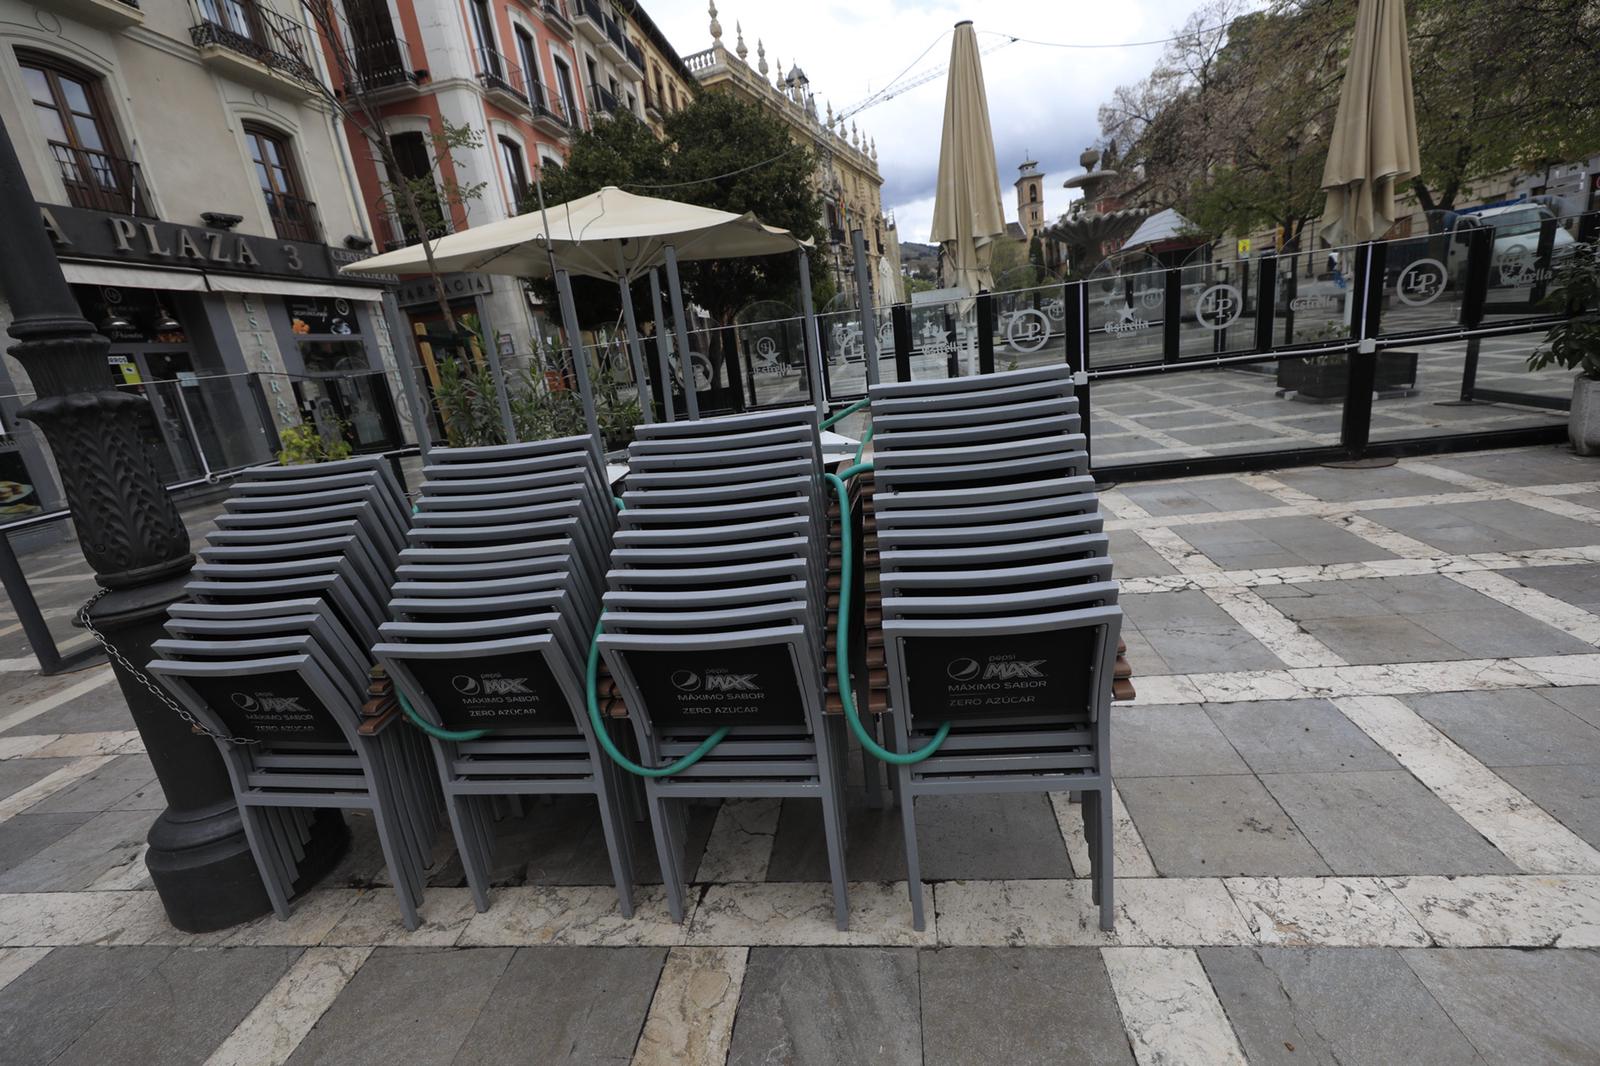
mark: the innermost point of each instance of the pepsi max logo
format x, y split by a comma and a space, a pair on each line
689, 681
265, 703
468, 685
963, 669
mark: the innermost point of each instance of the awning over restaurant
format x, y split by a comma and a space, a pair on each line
286, 287
117, 276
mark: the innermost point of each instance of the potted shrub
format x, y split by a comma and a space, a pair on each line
305, 444
1575, 343
1314, 378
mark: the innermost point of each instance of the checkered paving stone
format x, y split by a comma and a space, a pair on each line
1357, 821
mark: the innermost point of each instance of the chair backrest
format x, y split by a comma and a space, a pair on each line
999, 671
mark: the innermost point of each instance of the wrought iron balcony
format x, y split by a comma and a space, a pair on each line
257, 34
380, 65
557, 17
394, 231
547, 110
110, 14
615, 41
601, 102
293, 218
499, 76
101, 182
635, 56
589, 19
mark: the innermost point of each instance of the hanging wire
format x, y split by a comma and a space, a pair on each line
1114, 44
716, 177
888, 91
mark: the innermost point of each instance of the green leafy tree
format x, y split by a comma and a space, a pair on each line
1500, 86
1231, 126
718, 152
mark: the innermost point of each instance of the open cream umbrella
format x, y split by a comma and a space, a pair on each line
967, 216
1374, 142
608, 234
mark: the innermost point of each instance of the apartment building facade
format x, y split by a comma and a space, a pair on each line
526, 76
200, 194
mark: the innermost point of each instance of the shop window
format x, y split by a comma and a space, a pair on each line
70, 106
320, 316
131, 316
293, 216
340, 393
18, 494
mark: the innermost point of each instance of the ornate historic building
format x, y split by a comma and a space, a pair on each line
847, 159
524, 75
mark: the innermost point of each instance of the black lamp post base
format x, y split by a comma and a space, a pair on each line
201, 866
199, 857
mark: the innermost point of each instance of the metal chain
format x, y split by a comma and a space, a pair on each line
143, 679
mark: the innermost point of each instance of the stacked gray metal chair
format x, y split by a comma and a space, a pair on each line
999, 613
492, 615
715, 617
271, 656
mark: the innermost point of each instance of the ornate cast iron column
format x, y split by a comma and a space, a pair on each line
133, 536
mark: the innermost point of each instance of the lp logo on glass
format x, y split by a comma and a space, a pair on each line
1421, 282
1028, 330
1218, 307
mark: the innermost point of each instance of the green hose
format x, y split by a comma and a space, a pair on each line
866, 438
432, 730
602, 734
841, 648
852, 409
591, 680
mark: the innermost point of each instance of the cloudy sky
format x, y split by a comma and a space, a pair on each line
1042, 100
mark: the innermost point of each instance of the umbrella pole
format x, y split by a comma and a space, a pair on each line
808, 333
580, 355
664, 375
869, 325
641, 385
676, 290
403, 345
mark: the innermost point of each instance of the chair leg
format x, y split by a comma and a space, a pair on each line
908, 823
1089, 808
618, 841
392, 839
834, 833
256, 835
666, 851
1105, 873
469, 845
872, 774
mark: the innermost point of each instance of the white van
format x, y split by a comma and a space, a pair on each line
1516, 243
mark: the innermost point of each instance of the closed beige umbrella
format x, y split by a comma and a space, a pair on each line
1374, 142
967, 215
